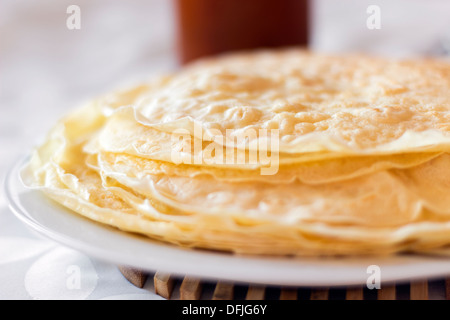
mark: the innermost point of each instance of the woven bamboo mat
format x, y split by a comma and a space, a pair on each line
187, 288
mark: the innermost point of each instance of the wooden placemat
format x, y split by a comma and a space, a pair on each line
188, 288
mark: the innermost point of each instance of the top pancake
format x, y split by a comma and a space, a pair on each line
350, 104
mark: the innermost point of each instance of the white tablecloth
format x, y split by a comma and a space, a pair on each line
46, 69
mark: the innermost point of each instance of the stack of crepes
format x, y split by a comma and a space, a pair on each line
359, 153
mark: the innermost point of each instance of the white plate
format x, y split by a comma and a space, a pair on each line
109, 244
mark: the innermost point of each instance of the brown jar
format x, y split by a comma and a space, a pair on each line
206, 27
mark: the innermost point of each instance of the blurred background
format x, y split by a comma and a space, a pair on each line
47, 68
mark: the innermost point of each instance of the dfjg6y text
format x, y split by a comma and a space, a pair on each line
237, 309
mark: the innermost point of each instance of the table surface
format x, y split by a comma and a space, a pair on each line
48, 69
